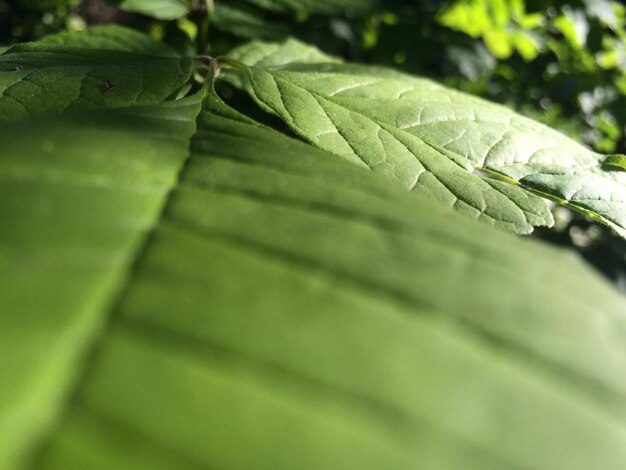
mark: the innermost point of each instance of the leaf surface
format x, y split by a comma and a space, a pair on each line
428, 137
107, 67
285, 309
80, 195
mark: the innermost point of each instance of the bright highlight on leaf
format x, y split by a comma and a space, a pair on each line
428, 137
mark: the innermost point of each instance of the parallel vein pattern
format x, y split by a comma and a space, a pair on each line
291, 310
79, 195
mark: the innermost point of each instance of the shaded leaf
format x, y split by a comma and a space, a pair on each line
106, 67
110, 37
160, 9
247, 22
314, 6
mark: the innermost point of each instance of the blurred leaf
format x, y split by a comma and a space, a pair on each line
603, 10
234, 331
526, 46
499, 43
46, 5
160, 9
81, 193
574, 26
468, 16
531, 21
108, 38
247, 23
472, 63
499, 13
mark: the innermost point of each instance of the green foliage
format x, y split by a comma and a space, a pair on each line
504, 26
102, 68
581, 44
430, 139
81, 193
160, 9
184, 286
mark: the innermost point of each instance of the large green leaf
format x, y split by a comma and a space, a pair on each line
284, 310
79, 196
430, 139
107, 67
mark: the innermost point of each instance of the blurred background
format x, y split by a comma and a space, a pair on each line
560, 62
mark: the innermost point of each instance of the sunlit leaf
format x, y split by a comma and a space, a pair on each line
428, 137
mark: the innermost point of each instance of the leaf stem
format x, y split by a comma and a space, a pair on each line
201, 16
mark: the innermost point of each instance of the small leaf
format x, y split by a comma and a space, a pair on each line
615, 161
110, 37
246, 22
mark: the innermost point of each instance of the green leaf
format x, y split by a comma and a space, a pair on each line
159, 9
470, 17
80, 195
105, 67
428, 137
616, 161
110, 38
574, 26
247, 22
274, 19
499, 42
284, 310
327, 7
526, 45
270, 55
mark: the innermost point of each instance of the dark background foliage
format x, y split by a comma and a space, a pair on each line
563, 63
